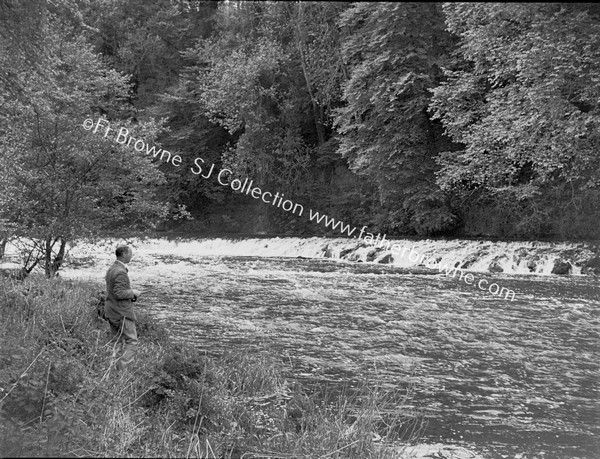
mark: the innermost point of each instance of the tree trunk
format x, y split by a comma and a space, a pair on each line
58, 260
48, 257
3, 243
315, 109
51, 266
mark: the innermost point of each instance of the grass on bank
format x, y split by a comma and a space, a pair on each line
60, 394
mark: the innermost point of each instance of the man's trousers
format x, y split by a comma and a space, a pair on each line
124, 337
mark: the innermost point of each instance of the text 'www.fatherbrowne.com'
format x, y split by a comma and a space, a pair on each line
223, 176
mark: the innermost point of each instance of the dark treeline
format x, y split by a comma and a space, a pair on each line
427, 119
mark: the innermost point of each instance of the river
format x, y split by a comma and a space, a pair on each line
503, 379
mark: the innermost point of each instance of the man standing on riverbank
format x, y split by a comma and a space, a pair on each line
119, 308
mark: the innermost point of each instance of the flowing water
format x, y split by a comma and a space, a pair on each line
504, 379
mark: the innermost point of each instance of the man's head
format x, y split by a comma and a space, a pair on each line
124, 253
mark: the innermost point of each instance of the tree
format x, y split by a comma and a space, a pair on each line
144, 40
521, 99
244, 83
273, 88
20, 41
393, 52
316, 38
63, 182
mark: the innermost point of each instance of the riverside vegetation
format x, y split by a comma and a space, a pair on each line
61, 396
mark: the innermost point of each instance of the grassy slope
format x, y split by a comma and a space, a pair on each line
60, 394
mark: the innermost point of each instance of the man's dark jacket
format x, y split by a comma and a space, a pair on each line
118, 293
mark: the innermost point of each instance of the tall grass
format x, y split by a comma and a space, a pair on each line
60, 394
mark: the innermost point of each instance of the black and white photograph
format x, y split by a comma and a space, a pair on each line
299, 229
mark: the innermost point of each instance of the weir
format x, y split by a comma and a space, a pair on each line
533, 258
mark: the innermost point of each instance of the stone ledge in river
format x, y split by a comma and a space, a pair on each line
327, 252
371, 254
495, 264
591, 266
385, 258
561, 267
532, 264
534, 258
351, 250
472, 258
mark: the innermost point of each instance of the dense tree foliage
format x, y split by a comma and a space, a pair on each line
394, 52
272, 88
412, 118
522, 99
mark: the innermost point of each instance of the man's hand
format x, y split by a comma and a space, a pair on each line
136, 293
